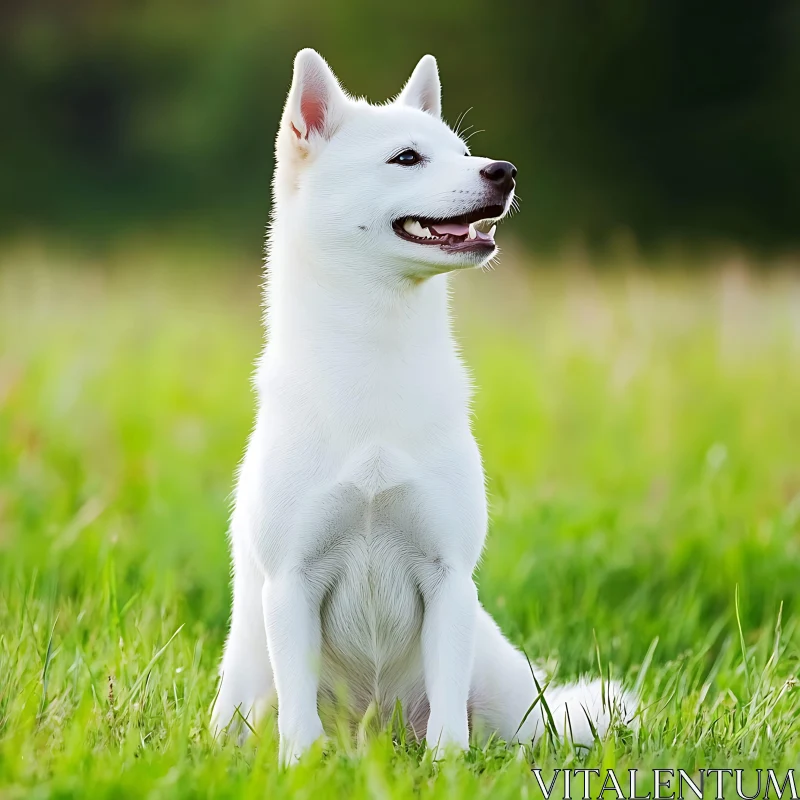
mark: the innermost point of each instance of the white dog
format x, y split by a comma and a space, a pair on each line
360, 509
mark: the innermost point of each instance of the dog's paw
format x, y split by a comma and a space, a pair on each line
295, 744
443, 739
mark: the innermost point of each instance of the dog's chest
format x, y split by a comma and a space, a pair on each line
369, 562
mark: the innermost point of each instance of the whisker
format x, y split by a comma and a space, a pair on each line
460, 120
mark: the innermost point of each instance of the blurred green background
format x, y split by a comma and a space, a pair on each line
637, 387
667, 119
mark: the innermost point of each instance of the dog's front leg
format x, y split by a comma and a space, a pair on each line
448, 640
293, 636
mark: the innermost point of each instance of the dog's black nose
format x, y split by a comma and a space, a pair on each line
501, 174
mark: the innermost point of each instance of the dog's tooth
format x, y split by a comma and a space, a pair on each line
413, 227
472, 232
491, 231
426, 233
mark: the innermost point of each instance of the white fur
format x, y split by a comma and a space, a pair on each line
360, 508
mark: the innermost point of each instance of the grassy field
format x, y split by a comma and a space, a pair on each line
641, 433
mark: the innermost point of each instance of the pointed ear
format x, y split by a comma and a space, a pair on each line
316, 102
423, 90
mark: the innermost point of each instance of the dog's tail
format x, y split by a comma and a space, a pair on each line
514, 699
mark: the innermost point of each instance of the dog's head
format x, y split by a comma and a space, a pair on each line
392, 181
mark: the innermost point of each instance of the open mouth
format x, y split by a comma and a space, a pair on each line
465, 233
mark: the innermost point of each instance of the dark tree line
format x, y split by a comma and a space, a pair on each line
669, 118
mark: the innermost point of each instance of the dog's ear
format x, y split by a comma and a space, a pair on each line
424, 90
316, 102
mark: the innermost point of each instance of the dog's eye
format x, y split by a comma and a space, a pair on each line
407, 158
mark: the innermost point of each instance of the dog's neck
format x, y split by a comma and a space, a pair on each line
363, 305
361, 326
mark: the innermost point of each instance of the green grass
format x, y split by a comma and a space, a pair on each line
641, 433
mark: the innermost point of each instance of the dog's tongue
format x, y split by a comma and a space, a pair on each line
453, 228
